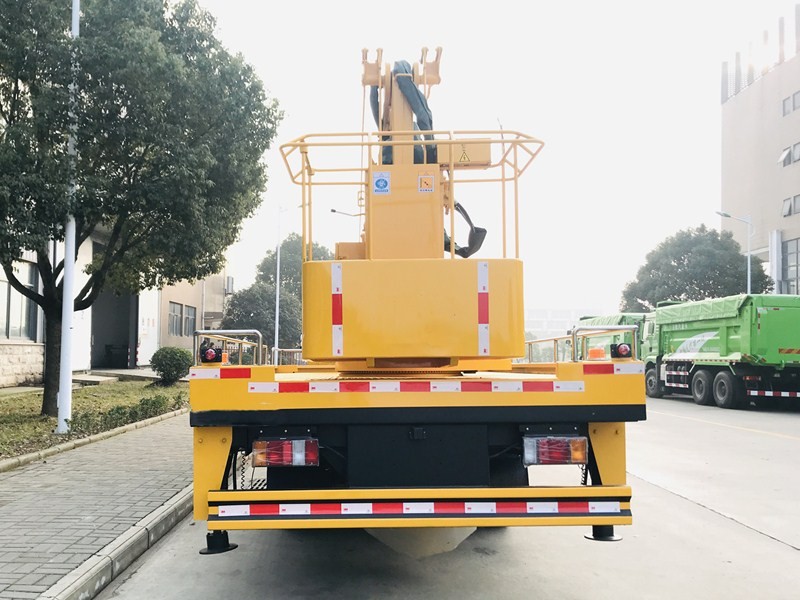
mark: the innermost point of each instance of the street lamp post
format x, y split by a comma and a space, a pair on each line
749, 222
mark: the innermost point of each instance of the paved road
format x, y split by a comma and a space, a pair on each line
715, 510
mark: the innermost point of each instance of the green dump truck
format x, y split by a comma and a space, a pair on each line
727, 351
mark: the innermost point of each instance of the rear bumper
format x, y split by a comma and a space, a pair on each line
415, 507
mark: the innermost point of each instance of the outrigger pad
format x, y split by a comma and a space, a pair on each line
217, 543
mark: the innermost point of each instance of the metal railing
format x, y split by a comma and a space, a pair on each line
572, 347
236, 343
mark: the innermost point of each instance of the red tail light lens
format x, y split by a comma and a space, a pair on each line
286, 453
555, 450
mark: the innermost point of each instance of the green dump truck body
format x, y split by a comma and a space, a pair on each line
757, 330
727, 351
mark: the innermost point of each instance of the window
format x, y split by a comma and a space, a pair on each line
789, 276
796, 206
18, 314
796, 100
190, 320
796, 152
785, 157
175, 324
787, 106
787, 207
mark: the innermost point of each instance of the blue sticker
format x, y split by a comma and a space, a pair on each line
381, 183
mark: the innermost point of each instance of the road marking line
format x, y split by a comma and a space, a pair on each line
780, 435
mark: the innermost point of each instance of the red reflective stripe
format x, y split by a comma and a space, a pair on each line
483, 308
243, 373
387, 508
449, 508
265, 509
336, 303
537, 386
415, 386
354, 386
573, 507
598, 369
476, 386
293, 386
512, 507
326, 509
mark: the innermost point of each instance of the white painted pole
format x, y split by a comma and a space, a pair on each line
749, 255
277, 293
68, 290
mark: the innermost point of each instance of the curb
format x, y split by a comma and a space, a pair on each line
90, 578
10, 464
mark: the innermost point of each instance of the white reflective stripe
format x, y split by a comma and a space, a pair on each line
506, 386
356, 508
324, 386
542, 507
628, 368
266, 387
483, 340
568, 386
336, 278
203, 373
773, 394
604, 507
235, 510
295, 509
384, 386
338, 340
480, 507
299, 452
418, 508
483, 276
445, 386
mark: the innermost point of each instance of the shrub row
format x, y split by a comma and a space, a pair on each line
85, 423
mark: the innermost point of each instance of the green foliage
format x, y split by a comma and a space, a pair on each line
694, 264
291, 264
171, 131
88, 422
254, 308
171, 363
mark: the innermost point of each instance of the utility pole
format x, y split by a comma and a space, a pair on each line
68, 282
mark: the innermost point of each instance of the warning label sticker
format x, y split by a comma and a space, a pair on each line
381, 182
425, 183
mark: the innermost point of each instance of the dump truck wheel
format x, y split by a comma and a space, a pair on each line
728, 390
651, 386
702, 388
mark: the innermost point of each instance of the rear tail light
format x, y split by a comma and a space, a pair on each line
286, 453
553, 450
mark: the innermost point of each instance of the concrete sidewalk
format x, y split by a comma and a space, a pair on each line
72, 522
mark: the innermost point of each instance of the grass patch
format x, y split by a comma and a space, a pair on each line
94, 408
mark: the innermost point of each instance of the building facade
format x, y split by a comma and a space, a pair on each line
117, 331
761, 156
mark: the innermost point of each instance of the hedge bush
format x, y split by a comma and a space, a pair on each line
84, 423
171, 363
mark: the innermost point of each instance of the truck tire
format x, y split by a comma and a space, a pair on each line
702, 388
651, 385
728, 390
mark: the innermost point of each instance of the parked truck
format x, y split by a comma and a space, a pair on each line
729, 351
409, 411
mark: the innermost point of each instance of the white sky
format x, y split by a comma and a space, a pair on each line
625, 93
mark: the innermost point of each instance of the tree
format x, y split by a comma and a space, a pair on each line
291, 264
254, 308
694, 264
171, 130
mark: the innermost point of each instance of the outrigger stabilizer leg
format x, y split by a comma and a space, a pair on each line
217, 543
603, 533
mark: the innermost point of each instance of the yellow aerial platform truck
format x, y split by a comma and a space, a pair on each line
414, 407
